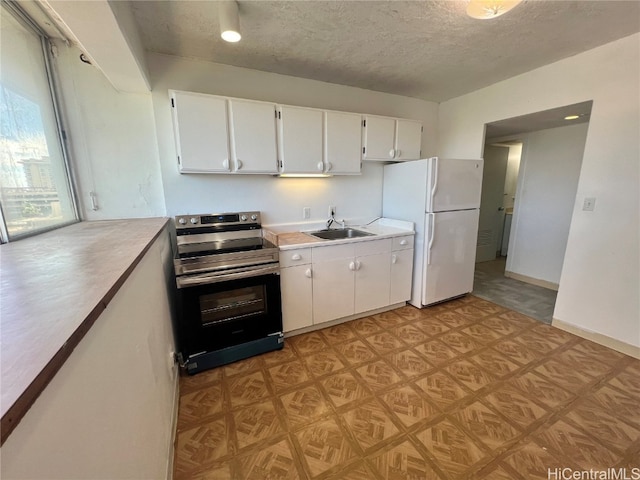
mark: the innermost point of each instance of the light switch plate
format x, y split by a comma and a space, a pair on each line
589, 204
306, 213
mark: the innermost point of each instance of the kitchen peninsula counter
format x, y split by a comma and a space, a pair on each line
53, 288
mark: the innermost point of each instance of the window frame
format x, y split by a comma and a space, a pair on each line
49, 50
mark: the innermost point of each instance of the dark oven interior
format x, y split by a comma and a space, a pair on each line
224, 314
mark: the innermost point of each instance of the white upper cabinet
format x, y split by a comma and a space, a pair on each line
379, 138
300, 137
253, 136
391, 139
217, 134
408, 139
200, 126
343, 142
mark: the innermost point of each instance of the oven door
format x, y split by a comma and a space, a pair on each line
224, 314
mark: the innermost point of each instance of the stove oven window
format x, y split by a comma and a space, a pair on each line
232, 305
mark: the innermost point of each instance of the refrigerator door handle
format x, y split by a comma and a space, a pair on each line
434, 180
432, 236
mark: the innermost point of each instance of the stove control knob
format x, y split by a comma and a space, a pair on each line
254, 217
194, 220
243, 218
182, 221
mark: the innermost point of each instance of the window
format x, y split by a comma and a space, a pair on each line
35, 191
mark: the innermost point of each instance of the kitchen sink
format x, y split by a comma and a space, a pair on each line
339, 234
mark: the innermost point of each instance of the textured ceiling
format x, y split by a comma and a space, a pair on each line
423, 49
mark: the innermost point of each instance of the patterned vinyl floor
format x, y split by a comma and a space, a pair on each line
467, 389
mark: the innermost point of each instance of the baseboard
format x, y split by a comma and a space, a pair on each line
531, 280
609, 342
174, 424
338, 321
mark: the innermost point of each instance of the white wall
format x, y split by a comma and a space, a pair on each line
600, 281
113, 142
108, 411
511, 178
546, 193
281, 200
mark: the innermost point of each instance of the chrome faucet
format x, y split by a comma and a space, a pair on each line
330, 222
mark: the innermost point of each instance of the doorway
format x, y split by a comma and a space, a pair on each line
499, 183
532, 165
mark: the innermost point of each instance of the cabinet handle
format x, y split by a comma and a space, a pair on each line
295, 257
225, 164
352, 266
320, 166
403, 242
394, 259
307, 273
358, 264
239, 162
329, 166
392, 153
398, 153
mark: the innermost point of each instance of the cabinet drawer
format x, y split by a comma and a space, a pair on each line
291, 258
373, 247
403, 243
321, 254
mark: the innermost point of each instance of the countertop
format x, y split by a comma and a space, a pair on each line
53, 287
288, 238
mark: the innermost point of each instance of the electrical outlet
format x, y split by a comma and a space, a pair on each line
589, 204
332, 210
306, 213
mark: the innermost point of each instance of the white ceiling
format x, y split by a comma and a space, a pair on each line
533, 122
423, 49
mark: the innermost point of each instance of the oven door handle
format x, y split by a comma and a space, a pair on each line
204, 279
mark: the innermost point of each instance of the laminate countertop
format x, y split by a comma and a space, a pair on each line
287, 239
52, 289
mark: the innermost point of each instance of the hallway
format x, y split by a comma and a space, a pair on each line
531, 300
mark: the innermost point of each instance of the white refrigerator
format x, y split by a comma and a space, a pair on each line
442, 197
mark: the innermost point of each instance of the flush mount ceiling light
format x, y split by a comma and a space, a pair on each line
229, 21
572, 117
487, 9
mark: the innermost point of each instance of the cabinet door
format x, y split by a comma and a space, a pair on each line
333, 289
372, 282
200, 126
297, 299
408, 139
301, 140
378, 138
401, 273
343, 142
253, 136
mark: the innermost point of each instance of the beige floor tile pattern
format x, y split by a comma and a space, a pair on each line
463, 390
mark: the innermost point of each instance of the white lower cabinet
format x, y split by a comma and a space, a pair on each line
333, 286
343, 280
332, 289
372, 274
296, 286
372, 282
401, 273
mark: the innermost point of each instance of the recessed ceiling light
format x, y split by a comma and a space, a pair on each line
487, 9
571, 117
